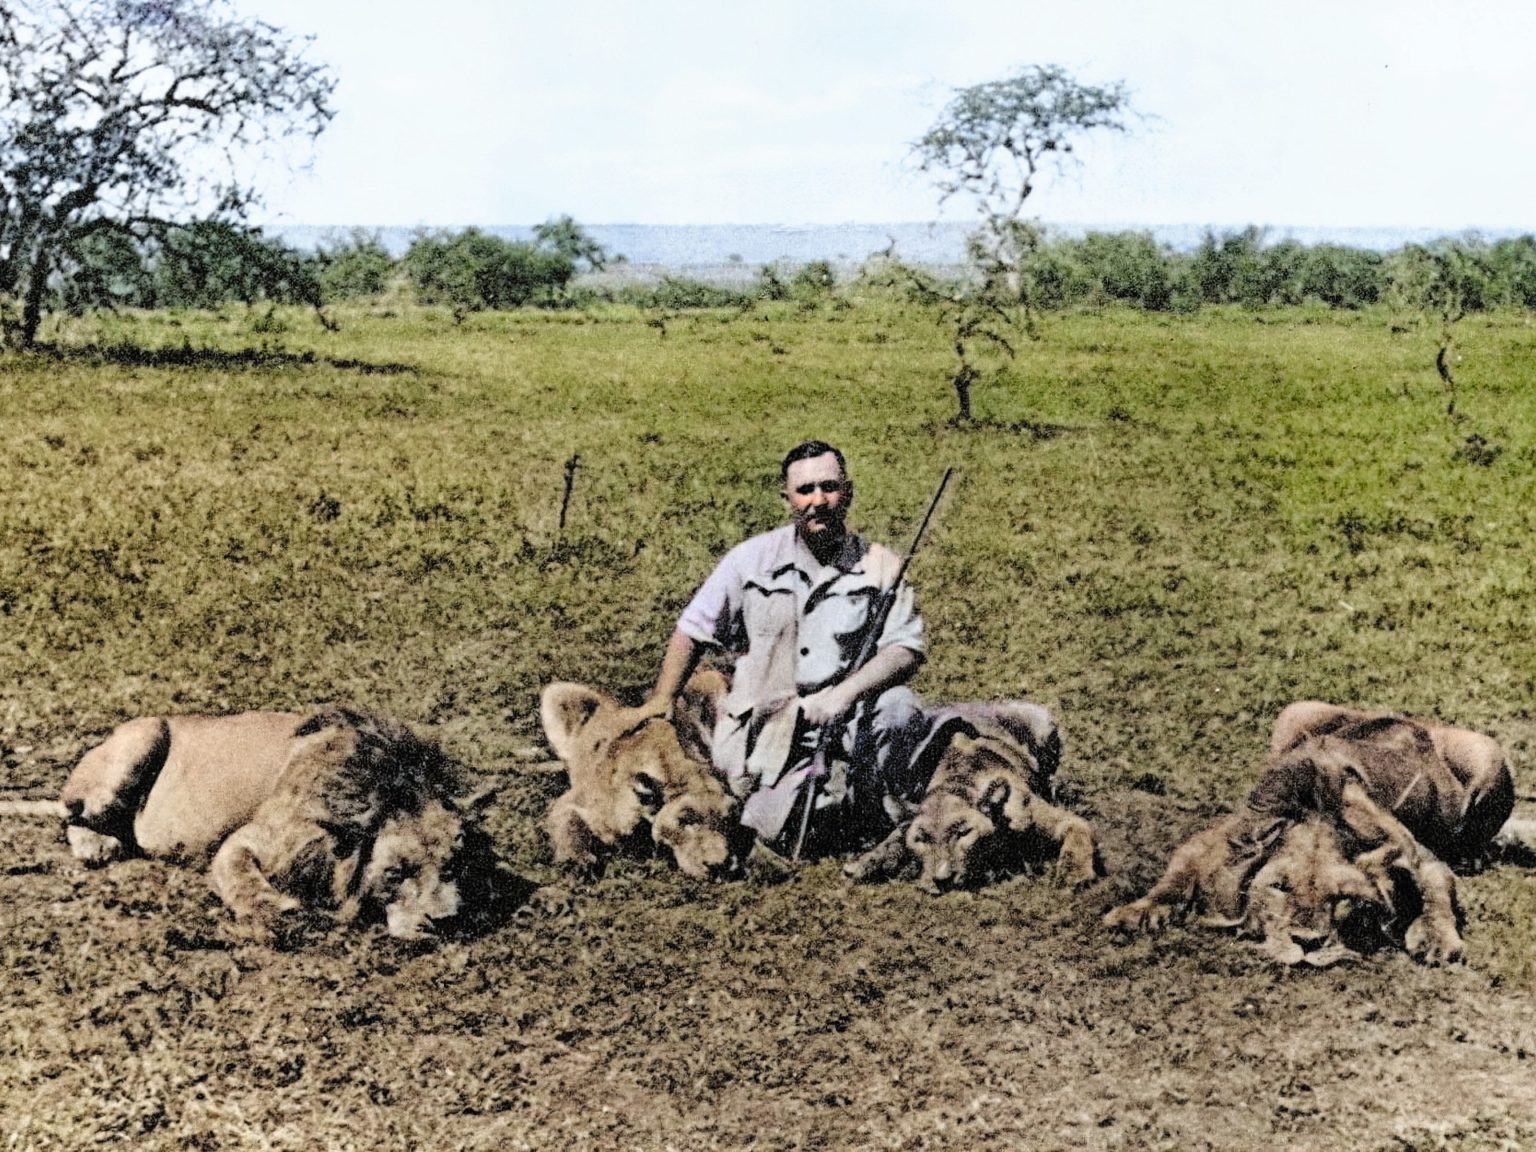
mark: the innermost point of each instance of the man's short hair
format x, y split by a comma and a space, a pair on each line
809, 451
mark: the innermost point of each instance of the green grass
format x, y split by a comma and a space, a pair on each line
1165, 527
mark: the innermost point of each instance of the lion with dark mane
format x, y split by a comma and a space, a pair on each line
335, 812
1340, 843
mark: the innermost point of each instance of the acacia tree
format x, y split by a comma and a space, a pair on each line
1443, 281
990, 145
122, 116
563, 235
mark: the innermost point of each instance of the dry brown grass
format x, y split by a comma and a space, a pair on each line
1164, 529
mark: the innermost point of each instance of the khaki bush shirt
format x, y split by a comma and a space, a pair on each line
794, 625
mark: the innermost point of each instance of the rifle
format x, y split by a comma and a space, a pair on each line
877, 619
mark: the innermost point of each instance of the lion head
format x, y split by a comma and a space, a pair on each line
978, 781
627, 771
1312, 902
404, 844
424, 871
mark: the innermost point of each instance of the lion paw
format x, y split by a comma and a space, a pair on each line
866, 868
283, 922
1433, 943
1283, 950
92, 848
766, 866
1138, 916
1077, 871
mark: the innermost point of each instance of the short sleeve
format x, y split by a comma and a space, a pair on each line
904, 626
713, 616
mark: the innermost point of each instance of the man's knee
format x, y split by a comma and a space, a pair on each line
899, 714
899, 725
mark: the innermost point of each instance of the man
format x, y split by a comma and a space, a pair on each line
794, 606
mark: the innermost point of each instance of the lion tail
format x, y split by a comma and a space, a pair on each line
52, 809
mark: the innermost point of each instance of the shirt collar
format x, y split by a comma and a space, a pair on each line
848, 561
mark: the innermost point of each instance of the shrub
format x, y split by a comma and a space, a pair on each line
208, 262
1223, 267
563, 235
471, 271
770, 283
813, 280
1342, 277
1056, 276
679, 293
1512, 267
360, 265
1126, 266
1447, 279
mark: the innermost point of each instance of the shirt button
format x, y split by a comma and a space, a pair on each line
805, 651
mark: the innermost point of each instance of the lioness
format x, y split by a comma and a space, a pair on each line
335, 810
1346, 794
986, 805
625, 775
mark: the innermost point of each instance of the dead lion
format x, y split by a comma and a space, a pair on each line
1451, 787
335, 811
1340, 837
625, 776
986, 807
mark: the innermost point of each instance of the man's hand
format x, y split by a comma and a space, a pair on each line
889, 666
824, 707
676, 666
654, 708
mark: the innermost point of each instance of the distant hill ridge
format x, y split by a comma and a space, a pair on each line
684, 246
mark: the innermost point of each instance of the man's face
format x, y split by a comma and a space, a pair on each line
819, 495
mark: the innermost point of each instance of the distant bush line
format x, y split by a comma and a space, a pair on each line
207, 264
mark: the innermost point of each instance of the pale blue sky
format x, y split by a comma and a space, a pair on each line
1304, 112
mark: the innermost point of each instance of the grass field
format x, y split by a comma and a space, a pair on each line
1163, 527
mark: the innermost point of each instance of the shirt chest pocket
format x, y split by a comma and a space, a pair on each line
767, 614
834, 627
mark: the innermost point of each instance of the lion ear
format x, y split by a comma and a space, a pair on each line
993, 796
564, 710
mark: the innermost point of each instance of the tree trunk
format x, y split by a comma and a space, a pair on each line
1443, 366
32, 299
963, 379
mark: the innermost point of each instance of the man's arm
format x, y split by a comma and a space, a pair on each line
677, 664
888, 667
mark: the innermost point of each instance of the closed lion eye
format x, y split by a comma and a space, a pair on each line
399, 872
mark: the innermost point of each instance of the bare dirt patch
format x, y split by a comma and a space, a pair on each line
667, 1013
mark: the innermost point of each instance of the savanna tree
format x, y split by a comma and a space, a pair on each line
991, 144
1443, 282
563, 235
124, 116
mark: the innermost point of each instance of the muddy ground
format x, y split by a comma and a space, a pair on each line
663, 1013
